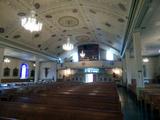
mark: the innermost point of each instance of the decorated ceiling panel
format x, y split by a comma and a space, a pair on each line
100, 21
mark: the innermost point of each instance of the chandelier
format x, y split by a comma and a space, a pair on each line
30, 23
82, 54
68, 46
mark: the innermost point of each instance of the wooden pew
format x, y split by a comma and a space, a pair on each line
66, 102
43, 112
150, 97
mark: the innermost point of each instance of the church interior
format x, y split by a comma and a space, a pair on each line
79, 59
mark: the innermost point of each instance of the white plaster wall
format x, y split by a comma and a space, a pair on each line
51, 72
102, 54
15, 63
152, 68
158, 65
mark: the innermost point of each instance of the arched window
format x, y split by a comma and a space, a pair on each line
15, 72
24, 71
6, 72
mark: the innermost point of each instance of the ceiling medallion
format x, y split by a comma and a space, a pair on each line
68, 21
68, 46
30, 23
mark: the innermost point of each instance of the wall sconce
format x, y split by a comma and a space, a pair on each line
6, 60
34, 65
67, 72
145, 60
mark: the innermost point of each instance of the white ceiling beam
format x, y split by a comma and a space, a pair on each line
8, 43
135, 13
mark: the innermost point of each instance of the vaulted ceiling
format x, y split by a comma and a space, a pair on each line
150, 30
84, 21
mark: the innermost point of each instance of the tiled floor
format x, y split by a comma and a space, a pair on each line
130, 108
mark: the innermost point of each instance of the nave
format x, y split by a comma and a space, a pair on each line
63, 59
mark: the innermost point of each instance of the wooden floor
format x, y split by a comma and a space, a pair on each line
62, 101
